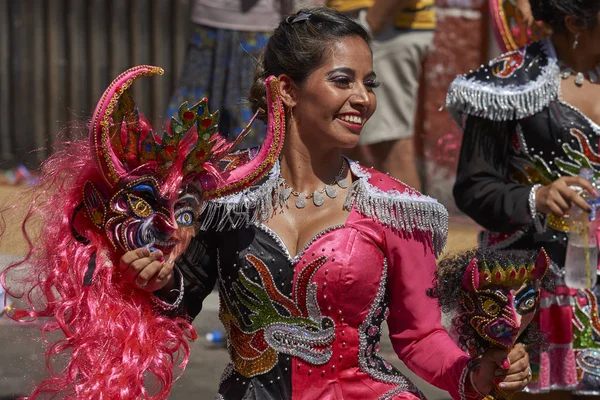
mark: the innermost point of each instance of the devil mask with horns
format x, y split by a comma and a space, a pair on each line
123, 188
493, 294
136, 198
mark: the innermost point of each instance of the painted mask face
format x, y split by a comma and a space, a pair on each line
501, 303
501, 314
135, 198
142, 217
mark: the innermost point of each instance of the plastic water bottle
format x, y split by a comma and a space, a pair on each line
581, 263
216, 338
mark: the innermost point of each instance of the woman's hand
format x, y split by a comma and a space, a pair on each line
148, 270
558, 197
510, 372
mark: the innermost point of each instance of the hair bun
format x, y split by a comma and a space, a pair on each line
258, 90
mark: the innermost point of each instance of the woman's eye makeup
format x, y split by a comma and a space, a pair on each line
341, 80
372, 83
345, 81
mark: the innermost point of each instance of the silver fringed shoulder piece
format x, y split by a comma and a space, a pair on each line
242, 209
470, 96
406, 211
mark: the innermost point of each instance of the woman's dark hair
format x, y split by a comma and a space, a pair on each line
553, 12
299, 45
447, 286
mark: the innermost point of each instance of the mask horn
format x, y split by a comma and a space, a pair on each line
252, 172
102, 129
470, 281
542, 263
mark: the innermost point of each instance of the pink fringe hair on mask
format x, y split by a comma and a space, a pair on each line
114, 343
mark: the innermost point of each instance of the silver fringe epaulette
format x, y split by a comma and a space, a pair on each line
408, 211
252, 205
483, 94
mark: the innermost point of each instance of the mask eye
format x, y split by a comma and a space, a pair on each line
139, 206
527, 306
527, 302
490, 307
184, 216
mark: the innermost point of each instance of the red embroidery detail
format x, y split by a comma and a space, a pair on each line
506, 65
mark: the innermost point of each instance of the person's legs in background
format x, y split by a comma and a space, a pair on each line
387, 138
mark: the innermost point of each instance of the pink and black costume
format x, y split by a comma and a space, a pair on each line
308, 326
518, 135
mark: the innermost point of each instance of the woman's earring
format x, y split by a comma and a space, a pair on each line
576, 41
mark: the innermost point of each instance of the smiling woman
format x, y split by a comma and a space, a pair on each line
304, 285
336, 100
531, 121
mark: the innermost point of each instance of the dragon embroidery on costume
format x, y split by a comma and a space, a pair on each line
274, 323
507, 64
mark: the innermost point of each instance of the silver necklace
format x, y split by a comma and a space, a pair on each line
316, 196
593, 74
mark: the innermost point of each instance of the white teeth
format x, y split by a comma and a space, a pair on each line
164, 244
354, 119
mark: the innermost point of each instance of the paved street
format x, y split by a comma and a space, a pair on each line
21, 362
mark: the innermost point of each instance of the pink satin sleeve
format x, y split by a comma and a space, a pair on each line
416, 332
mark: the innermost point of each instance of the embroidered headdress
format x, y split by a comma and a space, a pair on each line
486, 290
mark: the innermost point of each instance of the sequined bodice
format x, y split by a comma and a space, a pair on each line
316, 316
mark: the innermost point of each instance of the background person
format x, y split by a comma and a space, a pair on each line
530, 121
227, 37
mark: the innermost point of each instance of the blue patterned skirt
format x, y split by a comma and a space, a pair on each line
219, 64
